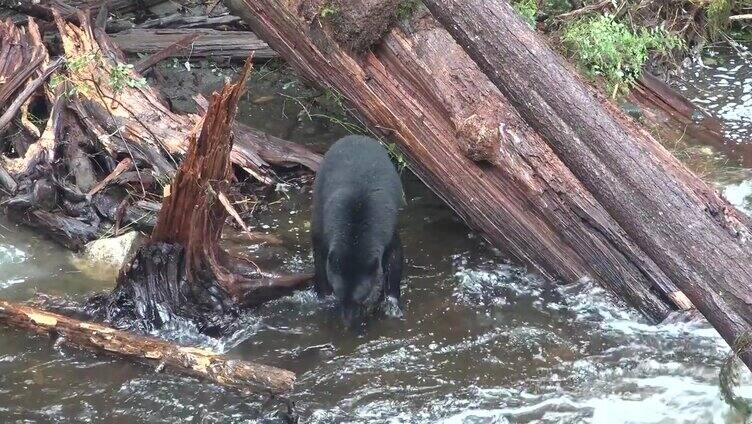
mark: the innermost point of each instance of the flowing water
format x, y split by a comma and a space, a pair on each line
481, 341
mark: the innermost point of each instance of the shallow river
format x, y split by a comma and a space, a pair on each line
481, 341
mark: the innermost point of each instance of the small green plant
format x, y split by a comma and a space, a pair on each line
396, 155
75, 64
406, 9
603, 47
328, 11
55, 81
527, 9
121, 76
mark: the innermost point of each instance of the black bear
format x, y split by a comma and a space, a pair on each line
356, 249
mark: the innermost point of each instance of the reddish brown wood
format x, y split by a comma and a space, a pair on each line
192, 214
696, 237
420, 86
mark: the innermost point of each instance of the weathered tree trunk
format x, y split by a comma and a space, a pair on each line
182, 273
465, 141
696, 237
201, 363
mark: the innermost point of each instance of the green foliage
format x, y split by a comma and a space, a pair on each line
717, 12
327, 11
122, 75
75, 64
55, 81
527, 9
406, 9
396, 155
603, 47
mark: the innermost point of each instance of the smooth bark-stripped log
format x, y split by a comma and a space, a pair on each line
697, 238
465, 141
169, 51
209, 43
197, 362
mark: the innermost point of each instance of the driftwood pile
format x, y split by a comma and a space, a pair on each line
88, 148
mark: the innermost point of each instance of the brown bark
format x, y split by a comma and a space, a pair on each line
420, 86
685, 226
192, 214
197, 362
209, 43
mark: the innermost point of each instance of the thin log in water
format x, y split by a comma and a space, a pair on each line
196, 362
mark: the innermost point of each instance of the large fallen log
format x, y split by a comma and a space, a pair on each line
697, 238
197, 362
464, 140
210, 43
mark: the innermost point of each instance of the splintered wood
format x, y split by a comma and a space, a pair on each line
193, 215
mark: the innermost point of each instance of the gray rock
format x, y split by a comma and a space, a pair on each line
114, 251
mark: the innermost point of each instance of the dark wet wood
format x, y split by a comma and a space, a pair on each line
7, 182
19, 99
196, 362
466, 141
694, 235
